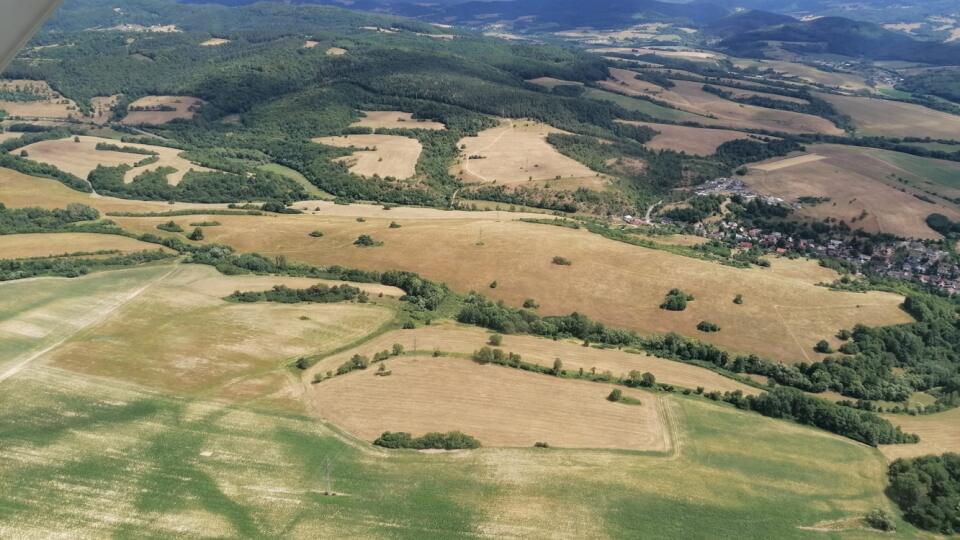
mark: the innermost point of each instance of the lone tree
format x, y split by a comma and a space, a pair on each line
365, 240
557, 367
823, 347
648, 380
615, 396
196, 235
738, 299
496, 340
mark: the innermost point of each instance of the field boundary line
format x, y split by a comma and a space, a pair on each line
19, 365
790, 331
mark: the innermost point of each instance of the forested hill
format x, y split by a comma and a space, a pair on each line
837, 35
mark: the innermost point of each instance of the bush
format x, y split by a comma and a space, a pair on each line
738, 300
355, 363
881, 520
317, 234
530, 303
676, 300
196, 235
453, 440
170, 226
708, 327
496, 340
615, 395
541, 445
394, 225
562, 261
365, 240
823, 347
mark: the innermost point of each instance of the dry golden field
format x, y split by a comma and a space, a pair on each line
857, 180
152, 339
689, 96
896, 119
80, 158
516, 152
684, 54
939, 433
697, 141
333, 51
394, 120
378, 155
460, 339
551, 83
497, 405
844, 81
17, 246
185, 106
214, 42
53, 104
785, 313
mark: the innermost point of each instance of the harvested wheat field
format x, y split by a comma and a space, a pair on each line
378, 155
861, 185
394, 120
939, 433
102, 108
455, 338
801, 72
48, 103
517, 152
214, 42
497, 405
689, 96
20, 246
696, 141
785, 314
333, 51
185, 107
80, 158
152, 339
895, 119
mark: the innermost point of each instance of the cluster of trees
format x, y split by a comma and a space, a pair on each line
676, 300
814, 105
927, 489
75, 265
319, 294
34, 220
943, 225
698, 209
453, 440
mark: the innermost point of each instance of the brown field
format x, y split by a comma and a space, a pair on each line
185, 106
335, 51
690, 96
378, 155
461, 339
394, 120
152, 340
697, 141
844, 81
551, 83
19, 246
497, 405
939, 434
7, 135
79, 158
622, 285
310, 44
857, 181
214, 42
103, 108
54, 105
516, 152
896, 119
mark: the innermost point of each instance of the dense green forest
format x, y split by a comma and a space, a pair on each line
927, 489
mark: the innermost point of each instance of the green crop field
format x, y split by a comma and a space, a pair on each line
639, 105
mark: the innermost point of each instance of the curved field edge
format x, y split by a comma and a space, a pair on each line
126, 461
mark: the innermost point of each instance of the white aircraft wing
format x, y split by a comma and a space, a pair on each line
19, 19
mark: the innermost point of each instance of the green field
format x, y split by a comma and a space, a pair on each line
311, 189
639, 105
102, 459
944, 173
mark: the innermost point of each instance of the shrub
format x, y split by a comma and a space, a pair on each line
881, 520
708, 327
738, 299
355, 363
397, 349
541, 445
493, 285
453, 440
823, 347
844, 335
317, 234
394, 225
196, 235
365, 240
562, 261
615, 395
170, 226
496, 340
676, 300
530, 303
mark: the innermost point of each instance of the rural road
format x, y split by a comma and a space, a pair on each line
20, 364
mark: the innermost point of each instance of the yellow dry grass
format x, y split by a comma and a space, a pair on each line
180, 335
895, 119
784, 316
939, 433
855, 179
378, 155
686, 54
697, 141
52, 105
394, 120
689, 96
102, 108
17, 246
804, 73
551, 83
214, 42
517, 151
335, 51
455, 338
79, 158
185, 109
497, 405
